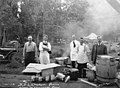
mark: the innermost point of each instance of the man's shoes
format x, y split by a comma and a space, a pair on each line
67, 79
79, 76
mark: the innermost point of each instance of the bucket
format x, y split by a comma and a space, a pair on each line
74, 74
90, 74
106, 68
60, 76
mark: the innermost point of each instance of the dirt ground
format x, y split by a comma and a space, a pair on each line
11, 77
23, 81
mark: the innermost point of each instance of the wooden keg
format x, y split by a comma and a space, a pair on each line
106, 68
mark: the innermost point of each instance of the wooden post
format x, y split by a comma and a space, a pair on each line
4, 37
85, 81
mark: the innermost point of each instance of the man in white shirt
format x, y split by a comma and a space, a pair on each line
29, 51
74, 49
45, 50
82, 58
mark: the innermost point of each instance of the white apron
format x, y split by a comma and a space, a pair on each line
74, 50
74, 56
44, 57
82, 56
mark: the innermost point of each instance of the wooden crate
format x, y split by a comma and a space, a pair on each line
47, 72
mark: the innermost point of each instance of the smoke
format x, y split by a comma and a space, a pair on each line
74, 28
100, 18
104, 17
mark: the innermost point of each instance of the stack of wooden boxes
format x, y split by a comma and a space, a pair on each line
44, 70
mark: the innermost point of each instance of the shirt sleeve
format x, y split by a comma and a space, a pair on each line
40, 47
87, 48
105, 50
92, 52
35, 50
70, 45
78, 46
49, 46
24, 50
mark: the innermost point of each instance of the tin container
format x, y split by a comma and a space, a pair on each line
60, 76
52, 77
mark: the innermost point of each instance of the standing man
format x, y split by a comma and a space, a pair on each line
29, 51
74, 49
98, 49
45, 50
82, 58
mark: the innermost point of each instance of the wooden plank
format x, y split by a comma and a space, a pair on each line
48, 66
37, 68
61, 58
34, 65
31, 70
7, 48
90, 83
42, 66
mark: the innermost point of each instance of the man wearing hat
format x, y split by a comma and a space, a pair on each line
45, 50
29, 51
98, 49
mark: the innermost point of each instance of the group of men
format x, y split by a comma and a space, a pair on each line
79, 53
30, 54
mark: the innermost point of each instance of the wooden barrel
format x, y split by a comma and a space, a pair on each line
106, 68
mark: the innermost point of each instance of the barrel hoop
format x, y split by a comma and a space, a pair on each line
105, 78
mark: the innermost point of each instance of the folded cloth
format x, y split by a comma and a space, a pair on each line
93, 68
89, 66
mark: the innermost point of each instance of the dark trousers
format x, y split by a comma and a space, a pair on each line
82, 71
73, 64
29, 58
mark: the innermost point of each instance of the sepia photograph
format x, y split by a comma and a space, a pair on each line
59, 43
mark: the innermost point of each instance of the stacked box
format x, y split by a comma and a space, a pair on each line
47, 72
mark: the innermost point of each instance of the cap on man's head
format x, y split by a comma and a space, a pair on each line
81, 38
73, 35
44, 35
29, 37
100, 37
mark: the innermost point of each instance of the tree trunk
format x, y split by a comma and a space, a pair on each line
38, 39
0, 36
4, 38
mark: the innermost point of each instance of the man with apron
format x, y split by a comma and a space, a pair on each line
45, 50
74, 49
29, 51
82, 58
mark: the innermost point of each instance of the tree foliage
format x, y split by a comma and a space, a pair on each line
38, 17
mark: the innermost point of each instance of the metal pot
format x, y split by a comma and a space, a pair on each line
90, 74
